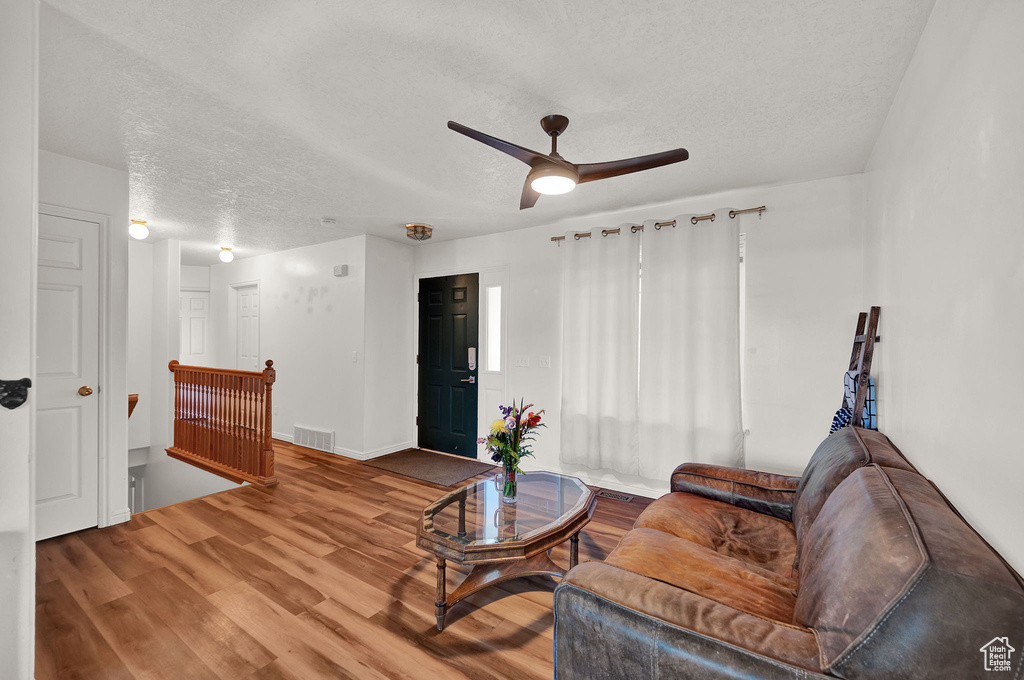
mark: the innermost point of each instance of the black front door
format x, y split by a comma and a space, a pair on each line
449, 320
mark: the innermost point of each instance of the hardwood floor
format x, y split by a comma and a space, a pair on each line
318, 577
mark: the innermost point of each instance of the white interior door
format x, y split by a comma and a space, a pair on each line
193, 322
247, 337
67, 360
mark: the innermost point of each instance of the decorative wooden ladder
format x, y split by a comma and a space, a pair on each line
864, 340
222, 421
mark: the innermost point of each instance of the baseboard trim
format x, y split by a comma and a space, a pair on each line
352, 453
591, 479
118, 517
376, 453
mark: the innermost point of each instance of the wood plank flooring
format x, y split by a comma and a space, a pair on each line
318, 577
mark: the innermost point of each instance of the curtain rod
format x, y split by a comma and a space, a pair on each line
658, 225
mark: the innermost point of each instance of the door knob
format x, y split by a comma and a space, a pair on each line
85, 390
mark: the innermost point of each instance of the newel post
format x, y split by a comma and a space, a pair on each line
267, 455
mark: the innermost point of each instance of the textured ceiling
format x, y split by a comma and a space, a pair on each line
243, 122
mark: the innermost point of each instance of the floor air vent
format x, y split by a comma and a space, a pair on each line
321, 440
615, 496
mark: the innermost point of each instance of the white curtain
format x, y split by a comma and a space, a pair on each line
600, 345
689, 345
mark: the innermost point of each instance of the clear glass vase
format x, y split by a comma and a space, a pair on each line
508, 488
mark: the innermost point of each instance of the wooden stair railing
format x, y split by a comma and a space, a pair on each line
222, 421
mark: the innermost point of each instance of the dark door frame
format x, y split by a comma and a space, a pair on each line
448, 357
489, 275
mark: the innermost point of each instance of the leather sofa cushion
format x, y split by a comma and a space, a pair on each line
751, 537
841, 453
699, 570
891, 577
675, 621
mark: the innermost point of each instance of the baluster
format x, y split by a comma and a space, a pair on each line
230, 452
190, 435
216, 445
210, 404
227, 426
246, 425
256, 429
193, 441
199, 413
243, 451
231, 457
186, 405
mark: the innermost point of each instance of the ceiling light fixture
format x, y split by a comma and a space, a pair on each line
226, 255
138, 229
418, 232
553, 179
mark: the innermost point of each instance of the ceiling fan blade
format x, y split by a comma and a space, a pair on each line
593, 171
521, 153
529, 197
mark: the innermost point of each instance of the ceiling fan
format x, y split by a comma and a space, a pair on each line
552, 174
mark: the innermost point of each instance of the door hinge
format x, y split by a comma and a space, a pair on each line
417, 358
417, 420
419, 296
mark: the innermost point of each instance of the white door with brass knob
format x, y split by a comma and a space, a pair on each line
67, 366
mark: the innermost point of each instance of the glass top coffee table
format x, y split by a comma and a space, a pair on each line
474, 525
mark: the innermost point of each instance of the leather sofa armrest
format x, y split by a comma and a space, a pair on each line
762, 492
611, 624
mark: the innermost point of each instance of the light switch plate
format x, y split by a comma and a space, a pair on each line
523, 362
544, 361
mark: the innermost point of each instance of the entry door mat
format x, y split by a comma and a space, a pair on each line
428, 466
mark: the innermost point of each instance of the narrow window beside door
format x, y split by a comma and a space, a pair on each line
493, 329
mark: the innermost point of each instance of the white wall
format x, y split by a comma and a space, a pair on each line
168, 480
389, 342
19, 30
317, 329
802, 302
945, 199
71, 183
195, 277
140, 341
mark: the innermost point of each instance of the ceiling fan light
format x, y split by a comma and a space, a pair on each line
226, 255
552, 179
138, 229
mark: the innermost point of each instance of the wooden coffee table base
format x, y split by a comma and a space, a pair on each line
484, 575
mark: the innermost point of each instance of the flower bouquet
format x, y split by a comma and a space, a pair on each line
509, 442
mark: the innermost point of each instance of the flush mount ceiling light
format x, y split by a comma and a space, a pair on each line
226, 255
418, 232
552, 174
138, 229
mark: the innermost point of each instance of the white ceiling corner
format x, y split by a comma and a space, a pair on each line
243, 122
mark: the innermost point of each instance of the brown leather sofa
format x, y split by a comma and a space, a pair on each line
858, 569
